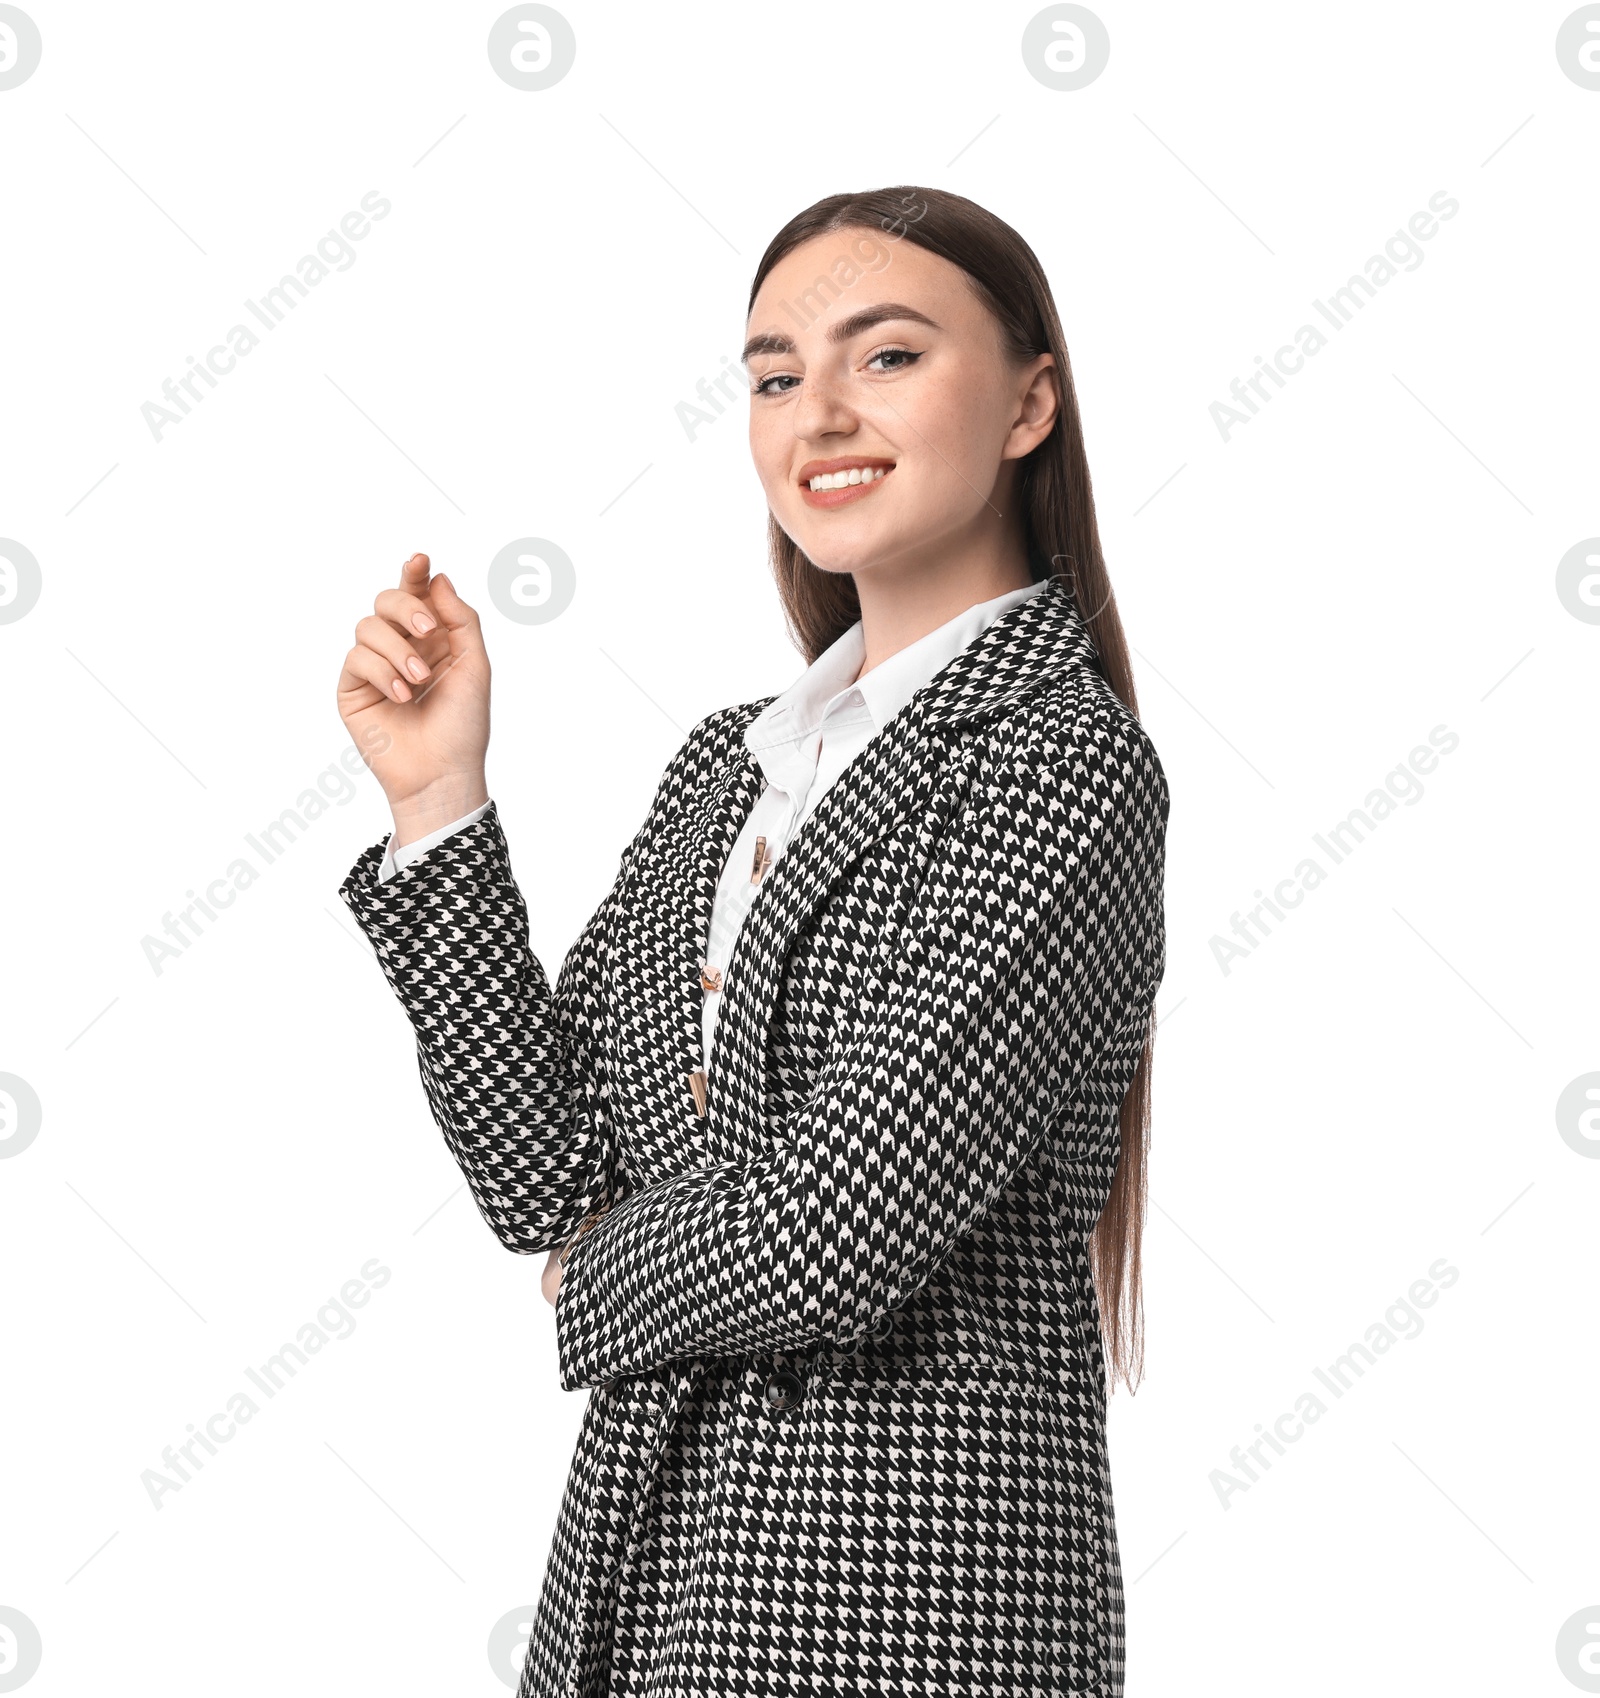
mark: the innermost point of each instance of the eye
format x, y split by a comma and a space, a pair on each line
905, 357
899, 359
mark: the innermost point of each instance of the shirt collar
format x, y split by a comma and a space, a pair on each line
829, 685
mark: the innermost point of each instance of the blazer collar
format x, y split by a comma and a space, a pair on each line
1038, 638
1027, 646
831, 679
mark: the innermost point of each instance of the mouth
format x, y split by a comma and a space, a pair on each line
833, 483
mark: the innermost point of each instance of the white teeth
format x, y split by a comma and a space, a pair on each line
856, 474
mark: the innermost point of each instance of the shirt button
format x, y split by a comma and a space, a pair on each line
710, 978
784, 1390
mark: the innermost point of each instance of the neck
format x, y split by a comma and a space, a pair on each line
902, 603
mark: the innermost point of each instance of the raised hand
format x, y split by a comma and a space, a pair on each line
414, 695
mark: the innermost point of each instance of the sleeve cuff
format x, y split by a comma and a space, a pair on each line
396, 860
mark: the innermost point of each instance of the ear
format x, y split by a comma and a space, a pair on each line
1038, 402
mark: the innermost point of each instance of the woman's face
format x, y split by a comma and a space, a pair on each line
877, 356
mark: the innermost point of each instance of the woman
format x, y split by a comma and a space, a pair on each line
833, 1125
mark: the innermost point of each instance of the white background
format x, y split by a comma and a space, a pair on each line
226, 1141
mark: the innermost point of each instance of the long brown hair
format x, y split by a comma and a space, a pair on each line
1063, 539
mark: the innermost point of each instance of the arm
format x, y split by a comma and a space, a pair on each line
1036, 940
507, 1063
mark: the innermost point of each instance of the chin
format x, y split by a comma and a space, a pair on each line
829, 549
831, 559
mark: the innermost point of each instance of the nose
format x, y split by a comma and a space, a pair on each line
824, 409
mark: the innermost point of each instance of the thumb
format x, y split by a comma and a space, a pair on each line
458, 619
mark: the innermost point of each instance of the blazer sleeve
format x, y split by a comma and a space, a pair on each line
508, 1063
1036, 939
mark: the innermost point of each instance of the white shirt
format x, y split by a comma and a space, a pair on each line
802, 740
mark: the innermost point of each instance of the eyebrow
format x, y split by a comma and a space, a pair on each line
775, 342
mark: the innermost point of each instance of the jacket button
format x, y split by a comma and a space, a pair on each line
784, 1389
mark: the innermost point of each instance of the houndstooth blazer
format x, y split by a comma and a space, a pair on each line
845, 1430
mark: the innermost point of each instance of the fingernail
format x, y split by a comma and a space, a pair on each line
424, 622
398, 688
416, 668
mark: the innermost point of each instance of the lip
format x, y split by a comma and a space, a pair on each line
850, 492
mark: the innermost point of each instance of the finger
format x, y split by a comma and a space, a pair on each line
363, 665
414, 575
460, 622
406, 612
395, 647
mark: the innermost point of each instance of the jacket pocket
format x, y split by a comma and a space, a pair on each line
953, 1534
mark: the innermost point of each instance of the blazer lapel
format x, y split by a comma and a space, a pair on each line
656, 995
924, 754
873, 793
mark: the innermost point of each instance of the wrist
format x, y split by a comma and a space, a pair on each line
587, 1224
436, 805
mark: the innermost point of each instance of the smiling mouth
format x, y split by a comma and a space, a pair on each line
845, 483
